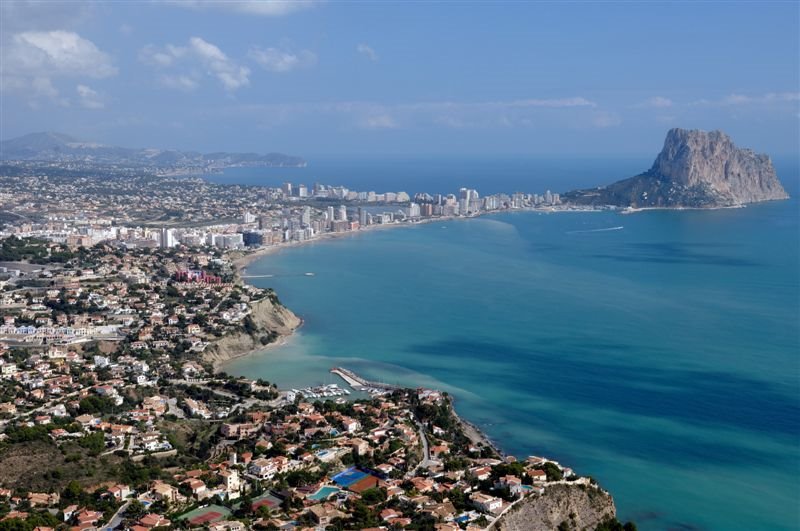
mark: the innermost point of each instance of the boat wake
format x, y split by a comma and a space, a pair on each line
607, 229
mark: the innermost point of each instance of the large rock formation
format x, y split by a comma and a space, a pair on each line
581, 507
695, 169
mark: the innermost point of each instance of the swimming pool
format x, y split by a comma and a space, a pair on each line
323, 493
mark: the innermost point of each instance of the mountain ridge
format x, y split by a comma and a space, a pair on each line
52, 146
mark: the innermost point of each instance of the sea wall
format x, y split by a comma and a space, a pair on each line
582, 507
271, 319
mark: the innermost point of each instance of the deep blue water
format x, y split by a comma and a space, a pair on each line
662, 359
445, 175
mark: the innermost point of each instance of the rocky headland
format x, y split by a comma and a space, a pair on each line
570, 506
270, 322
695, 169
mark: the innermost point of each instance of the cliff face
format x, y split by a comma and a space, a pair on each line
271, 319
694, 169
582, 507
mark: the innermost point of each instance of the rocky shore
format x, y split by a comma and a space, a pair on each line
574, 506
273, 323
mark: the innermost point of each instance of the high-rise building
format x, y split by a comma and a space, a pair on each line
167, 238
342, 213
287, 189
306, 216
302, 191
330, 213
362, 217
252, 239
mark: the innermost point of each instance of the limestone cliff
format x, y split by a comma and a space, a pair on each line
271, 321
582, 507
694, 169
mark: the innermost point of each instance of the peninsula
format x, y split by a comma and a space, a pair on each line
695, 169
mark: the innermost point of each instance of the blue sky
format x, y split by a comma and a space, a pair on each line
471, 78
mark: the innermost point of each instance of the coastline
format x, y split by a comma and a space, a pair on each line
475, 434
636, 210
242, 262
219, 364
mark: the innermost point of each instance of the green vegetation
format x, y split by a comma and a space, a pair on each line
612, 524
552, 471
15, 249
96, 404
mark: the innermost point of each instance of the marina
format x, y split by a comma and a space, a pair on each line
322, 391
360, 384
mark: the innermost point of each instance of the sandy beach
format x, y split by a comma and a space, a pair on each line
219, 365
241, 262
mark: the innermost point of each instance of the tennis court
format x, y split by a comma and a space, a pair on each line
348, 477
205, 515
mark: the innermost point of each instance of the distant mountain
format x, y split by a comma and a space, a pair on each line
694, 169
59, 147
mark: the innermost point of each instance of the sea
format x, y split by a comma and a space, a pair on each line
658, 352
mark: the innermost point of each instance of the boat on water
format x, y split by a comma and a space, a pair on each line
309, 274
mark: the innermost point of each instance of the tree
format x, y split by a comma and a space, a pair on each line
72, 492
135, 510
94, 442
553, 472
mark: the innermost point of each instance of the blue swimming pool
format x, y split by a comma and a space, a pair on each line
323, 493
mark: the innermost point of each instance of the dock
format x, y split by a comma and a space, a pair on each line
361, 384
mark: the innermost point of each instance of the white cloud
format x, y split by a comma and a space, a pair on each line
656, 102
549, 103
200, 52
54, 53
89, 98
179, 82
367, 51
43, 87
266, 8
278, 60
377, 121
742, 99
32, 60
154, 56
524, 113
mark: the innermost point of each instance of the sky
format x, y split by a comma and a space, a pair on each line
430, 78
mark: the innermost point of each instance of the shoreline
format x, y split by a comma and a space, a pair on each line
242, 262
471, 431
636, 210
475, 434
218, 364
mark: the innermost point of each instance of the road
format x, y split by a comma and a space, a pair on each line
426, 451
116, 520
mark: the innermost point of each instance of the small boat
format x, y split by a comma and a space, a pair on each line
309, 274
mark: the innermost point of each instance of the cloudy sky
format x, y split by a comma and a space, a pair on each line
309, 77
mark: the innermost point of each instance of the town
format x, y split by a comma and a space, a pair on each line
114, 411
148, 210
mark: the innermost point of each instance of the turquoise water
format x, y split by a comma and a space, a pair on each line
323, 493
662, 358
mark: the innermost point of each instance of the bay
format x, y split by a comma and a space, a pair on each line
660, 358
